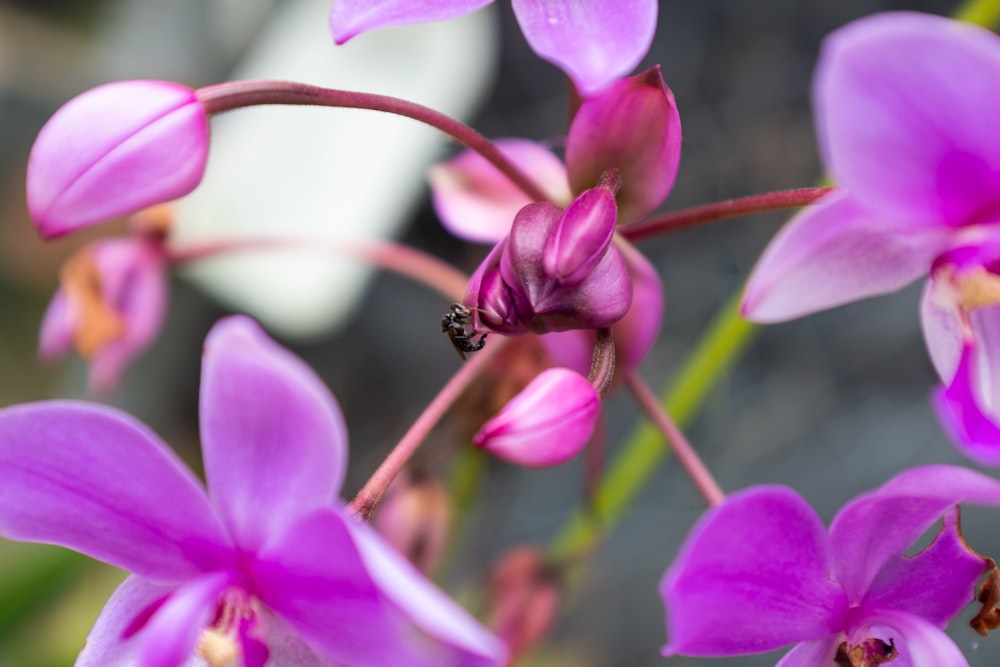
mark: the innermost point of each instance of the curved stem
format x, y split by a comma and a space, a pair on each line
237, 94
731, 208
645, 450
368, 498
404, 260
695, 467
602, 365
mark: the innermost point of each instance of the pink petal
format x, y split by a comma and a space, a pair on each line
114, 150
935, 584
942, 333
632, 126
593, 41
874, 528
55, 336
812, 653
273, 437
353, 17
313, 577
456, 638
834, 253
958, 406
547, 423
919, 643
94, 480
905, 121
754, 574
169, 638
478, 203
109, 644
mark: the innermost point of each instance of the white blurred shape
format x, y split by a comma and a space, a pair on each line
323, 174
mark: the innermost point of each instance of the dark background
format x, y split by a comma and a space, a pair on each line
831, 405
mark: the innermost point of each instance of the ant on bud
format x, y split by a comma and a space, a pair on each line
457, 323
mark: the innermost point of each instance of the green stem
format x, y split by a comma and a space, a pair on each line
981, 12
646, 449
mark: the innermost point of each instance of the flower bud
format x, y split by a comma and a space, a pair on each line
114, 150
547, 424
581, 236
415, 517
633, 126
525, 599
109, 306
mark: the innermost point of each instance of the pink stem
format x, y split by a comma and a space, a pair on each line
401, 259
236, 94
368, 498
692, 463
731, 208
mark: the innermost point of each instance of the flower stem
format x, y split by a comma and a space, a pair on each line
368, 498
401, 259
695, 467
645, 450
236, 94
731, 208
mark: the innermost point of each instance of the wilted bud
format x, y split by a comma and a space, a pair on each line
633, 126
415, 517
547, 424
477, 202
114, 150
525, 599
109, 306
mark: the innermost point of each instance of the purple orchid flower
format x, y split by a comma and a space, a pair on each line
903, 104
760, 572
114, 150
591, 40
109, 306
264, 569
633, 127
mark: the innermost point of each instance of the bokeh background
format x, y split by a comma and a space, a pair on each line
831, 405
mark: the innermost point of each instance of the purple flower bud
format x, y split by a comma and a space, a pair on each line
633, 126
109, 306
581, 237
547, 424
114, 150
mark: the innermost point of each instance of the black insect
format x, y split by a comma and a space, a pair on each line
457, 323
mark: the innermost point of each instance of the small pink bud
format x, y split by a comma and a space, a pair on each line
113, 150
415, 517
547, 424
109, 307
525, 599
581, 237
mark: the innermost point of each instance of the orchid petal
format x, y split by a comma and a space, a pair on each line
900, 100
875, 527
171, 634
753, 575
812, 653
632, 126
285, 646
935, 584
919, 643
834, 253
460, 640
353, 17
273, 436
55, 336
942, 333
593, 41
92, 479
974, 432
116, 149
312, 576
477, 202
109, 643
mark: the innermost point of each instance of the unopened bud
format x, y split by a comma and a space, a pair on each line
525, 599
415, 517
581, 237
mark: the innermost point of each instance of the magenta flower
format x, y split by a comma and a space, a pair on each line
760, 572
547, 424
265, 568
113, 150
592, 41
109, 306
903, 117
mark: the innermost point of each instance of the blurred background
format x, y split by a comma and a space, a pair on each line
831, 405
